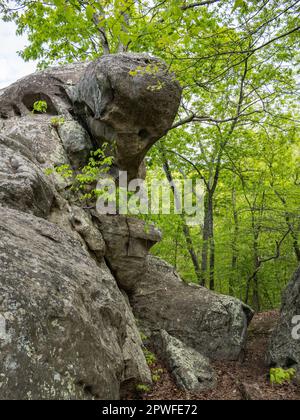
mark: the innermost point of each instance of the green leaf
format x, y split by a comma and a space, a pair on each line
90, 11
239, 4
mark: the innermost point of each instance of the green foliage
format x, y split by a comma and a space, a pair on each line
40, 107
57, 121
65, 171
98, 165
279, 376
143, 337
156, 375
149, 356
143, 389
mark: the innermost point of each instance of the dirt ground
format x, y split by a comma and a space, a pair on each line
247, 380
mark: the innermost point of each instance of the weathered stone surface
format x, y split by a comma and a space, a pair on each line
130, 112
191, 370
36, 133
130, 101
23, 185
76, 142
284, 350
69, 332
213, 324
18, 99
134, 361
92, 236
128, 242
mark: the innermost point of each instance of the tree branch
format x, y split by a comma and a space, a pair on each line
190, 163
202, 3
103, 37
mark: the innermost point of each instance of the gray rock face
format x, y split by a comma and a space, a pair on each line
82, 223
213, 324
23, 185
67, 330
191, 370
284, 350
129, 101
68, 327
128, 242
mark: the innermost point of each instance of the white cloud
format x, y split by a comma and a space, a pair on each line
12, 67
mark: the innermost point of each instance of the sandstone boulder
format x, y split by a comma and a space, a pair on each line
284, 350
213, 324
128, 242
68, 332
191, 370
23, 184
129, 101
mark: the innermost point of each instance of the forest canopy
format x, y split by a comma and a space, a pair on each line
237, 128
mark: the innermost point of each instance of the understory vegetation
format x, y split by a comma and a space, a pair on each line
237, 129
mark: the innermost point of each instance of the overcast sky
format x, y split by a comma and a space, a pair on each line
12, 67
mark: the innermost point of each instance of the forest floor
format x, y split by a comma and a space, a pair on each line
247, 380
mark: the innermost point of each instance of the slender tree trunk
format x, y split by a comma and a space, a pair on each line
102, 34
212, 264
234, 246
256, 294
294, 235
296, 246
208, 250
186, 229
205, 236
176, 251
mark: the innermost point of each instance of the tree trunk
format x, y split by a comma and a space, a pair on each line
294, 235
255, 294
234, 246
208, 250
186, 229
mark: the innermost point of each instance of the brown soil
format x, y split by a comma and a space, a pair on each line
247, 380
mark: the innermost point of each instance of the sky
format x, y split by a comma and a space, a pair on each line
12, 67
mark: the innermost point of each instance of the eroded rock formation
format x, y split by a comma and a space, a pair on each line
191, 370
68, 329
215, 325
284, 348
69, 333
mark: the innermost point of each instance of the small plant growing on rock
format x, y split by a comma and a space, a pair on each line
143, 337
279, 376
57, 121
143, 389
150, 357
84, 181
40, 107
156, 375
65, 171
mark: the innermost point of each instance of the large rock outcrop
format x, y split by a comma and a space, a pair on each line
284, 350
127, 100
67, 328
213, 324
69, 332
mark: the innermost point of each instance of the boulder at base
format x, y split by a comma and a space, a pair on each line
67, 332
213, 324
284, 350
191, 370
